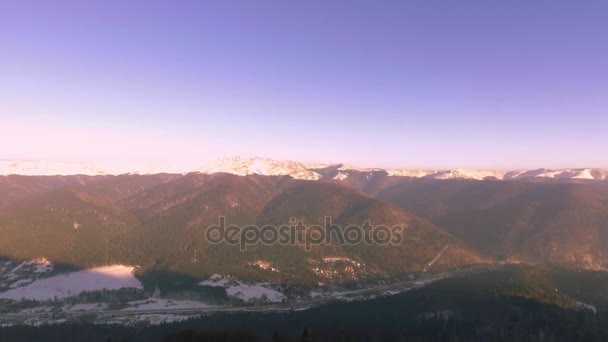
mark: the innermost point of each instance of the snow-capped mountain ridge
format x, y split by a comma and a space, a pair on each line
66, 168
465, 174
48, 168
598, 174
298, 170
263, 166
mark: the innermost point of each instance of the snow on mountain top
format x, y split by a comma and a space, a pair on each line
563, 174
343, 167
597, 174
48, 168
341, 176
65, 168
265, 167
465, 174
447, 174
269, 167
409, 173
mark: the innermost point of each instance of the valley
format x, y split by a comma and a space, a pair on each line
36, 309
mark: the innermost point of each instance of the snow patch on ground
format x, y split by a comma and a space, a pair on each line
152, 319
13, 275
37, 310
85, 307
20, 283
41, 265
249, 293
216, 280
245, 292
587, 306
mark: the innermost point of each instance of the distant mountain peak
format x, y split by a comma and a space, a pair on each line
264, 166
466, 174
66, 168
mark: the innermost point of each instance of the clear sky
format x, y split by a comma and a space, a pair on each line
420, 84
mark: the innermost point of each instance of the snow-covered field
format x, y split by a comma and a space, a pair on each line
71, 284
245, 292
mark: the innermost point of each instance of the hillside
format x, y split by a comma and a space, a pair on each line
563, 224
65, 226
423, 246
159, 221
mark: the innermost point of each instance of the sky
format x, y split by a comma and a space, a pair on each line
410, 84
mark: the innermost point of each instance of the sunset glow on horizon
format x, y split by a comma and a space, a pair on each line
410, 84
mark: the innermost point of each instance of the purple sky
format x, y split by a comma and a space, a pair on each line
420, 84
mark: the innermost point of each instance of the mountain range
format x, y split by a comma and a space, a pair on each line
159, 223
158, 220
298, 170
